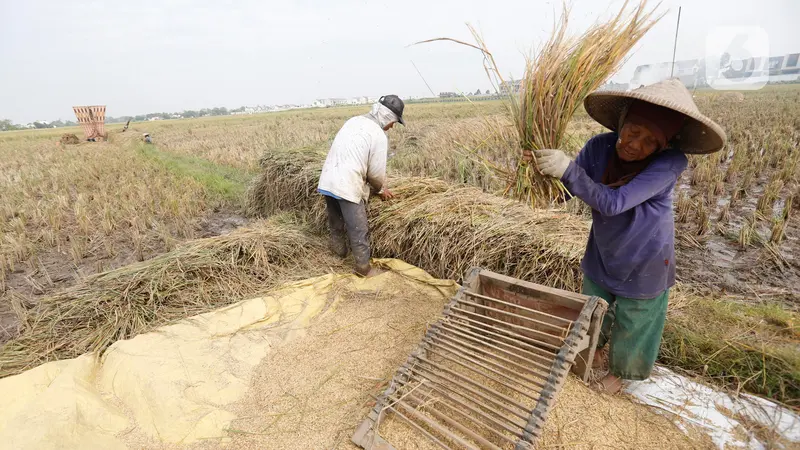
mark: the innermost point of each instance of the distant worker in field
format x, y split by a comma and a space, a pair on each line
354, 169
627, 177
147, 139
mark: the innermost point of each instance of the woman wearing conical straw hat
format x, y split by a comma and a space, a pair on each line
627, 177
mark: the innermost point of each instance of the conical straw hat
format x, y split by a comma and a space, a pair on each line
698, 135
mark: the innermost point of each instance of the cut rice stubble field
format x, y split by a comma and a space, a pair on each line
452, 142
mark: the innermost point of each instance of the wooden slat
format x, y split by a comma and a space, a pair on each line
557, 319
484, 336
503, 333
444, 389
436, 392
544, 368
419, 428
485, 443
432, 376
446, 352
541, 337
556, 296
561, 329
433, 424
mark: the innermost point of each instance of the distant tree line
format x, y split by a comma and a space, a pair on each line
188, 114
8, 125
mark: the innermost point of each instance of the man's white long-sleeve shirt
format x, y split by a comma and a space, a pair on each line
356, 160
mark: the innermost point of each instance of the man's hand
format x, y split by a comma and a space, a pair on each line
552, 162
386, 194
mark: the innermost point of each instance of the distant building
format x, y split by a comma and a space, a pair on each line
512, 86
363, 100
328, 102
611, 86
447, 94
692, 72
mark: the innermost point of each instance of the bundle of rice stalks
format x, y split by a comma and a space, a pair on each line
556, 81
443, 228
69, 139
703, 172
196, 277
450, 231
298, 169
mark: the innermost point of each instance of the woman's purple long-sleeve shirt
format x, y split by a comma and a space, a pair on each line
631, 248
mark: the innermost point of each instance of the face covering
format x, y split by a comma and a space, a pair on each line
381, 115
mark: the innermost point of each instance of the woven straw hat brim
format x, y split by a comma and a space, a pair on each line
699, 134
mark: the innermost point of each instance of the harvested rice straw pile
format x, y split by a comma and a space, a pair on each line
69, 139
557, 79
296, 171
198, 276
443, 228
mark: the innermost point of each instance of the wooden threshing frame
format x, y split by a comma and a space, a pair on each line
486, 374
92, 119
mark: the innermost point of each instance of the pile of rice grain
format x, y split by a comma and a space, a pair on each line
313, 392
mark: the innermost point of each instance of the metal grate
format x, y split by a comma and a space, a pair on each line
487, 372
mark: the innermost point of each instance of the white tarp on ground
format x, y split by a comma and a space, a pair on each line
728, 419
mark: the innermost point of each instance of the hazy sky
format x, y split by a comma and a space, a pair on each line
151, 56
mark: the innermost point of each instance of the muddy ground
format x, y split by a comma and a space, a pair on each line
720, 266
717, 263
